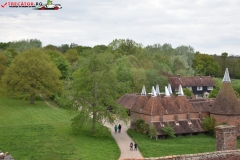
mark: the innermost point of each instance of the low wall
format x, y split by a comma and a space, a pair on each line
218, 155
5, 156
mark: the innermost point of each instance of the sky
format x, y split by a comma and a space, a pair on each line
209, 26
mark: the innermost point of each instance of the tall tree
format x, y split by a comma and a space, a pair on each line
23, 45
60, 61
94, 93
72, 56
204, 64
3, 64
32, 72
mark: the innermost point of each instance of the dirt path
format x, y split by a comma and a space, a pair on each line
47, 102
123, 141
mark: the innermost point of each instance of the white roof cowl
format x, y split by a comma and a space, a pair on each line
226, 78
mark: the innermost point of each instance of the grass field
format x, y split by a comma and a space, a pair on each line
235, 83
39, 132
176, 146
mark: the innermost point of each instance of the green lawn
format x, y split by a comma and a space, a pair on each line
180, 145
235, 83
39, 132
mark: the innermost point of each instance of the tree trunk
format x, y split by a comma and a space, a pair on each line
94, 123
32, 98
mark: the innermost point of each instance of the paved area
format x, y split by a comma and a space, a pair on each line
123, 141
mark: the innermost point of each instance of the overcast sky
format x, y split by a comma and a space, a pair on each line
209, 26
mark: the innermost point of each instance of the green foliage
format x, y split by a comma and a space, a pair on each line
60, 61
63, 48
4, 46
187, 92
24, 45
141, 126
153, 131
71, 56
205, 64
94, 91
209, 124
214, 93
32, 73
169, 131
3, 64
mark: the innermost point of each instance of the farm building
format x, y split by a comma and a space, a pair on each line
185, 115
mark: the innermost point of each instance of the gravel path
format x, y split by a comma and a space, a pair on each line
123, 141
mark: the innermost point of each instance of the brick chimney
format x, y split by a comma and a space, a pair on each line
226, 137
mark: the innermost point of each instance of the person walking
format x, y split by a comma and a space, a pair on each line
135, 146
119, 128
116, 128
131, 146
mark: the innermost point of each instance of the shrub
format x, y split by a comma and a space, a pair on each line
153, 131
169, 131
209, 124
141, 126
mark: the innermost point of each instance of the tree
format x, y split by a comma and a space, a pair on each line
23, 45
214, 92
32, 73
187, 92
60, 61
94, 93
3, 64
72, 56
204, 64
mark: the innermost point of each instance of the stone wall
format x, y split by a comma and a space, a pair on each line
5, 156
218, 155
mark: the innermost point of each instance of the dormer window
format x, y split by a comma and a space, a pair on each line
210, 88
199, 88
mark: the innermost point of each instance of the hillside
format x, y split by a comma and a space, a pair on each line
41, 132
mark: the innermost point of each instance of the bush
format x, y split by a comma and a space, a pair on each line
153, 131
169, 131
209, 124
141, 126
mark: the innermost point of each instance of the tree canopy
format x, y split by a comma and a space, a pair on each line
94, 93
32, 72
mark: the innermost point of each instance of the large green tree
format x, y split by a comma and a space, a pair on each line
32, 72
94, 93
205, 64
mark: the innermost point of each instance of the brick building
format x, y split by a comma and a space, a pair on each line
185, 115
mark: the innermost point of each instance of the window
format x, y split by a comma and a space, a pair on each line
198, 96
199, 88
210, 87
190, 88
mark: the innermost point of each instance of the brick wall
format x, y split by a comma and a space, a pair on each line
230, 120
218, 155
226, 137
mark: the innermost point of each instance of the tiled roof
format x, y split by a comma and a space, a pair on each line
183, 127
226, 101
184, 105
191, 81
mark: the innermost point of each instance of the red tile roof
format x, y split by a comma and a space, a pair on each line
191, 81
226, 102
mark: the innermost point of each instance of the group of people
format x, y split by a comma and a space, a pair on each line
131, 146
118, 128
